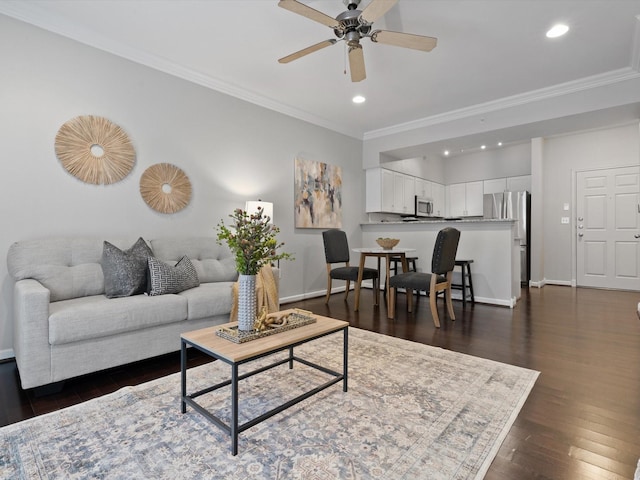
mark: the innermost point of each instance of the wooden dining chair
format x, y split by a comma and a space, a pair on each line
336, 251
442, 265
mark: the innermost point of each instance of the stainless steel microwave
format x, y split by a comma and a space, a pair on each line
424, 207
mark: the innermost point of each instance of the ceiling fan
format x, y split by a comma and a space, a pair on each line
353, 25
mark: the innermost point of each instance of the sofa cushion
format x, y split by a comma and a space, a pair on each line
67, 267
125, 271
213, 262
208, 300
164, 278
97, 316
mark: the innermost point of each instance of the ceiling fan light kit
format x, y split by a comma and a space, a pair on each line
353, 25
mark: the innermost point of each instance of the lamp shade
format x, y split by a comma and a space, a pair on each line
251, 207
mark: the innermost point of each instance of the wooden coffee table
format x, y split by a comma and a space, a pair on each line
236, 354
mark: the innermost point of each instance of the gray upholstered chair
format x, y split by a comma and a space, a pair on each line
442, 264
336, 250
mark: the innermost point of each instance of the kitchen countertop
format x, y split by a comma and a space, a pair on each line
440, 221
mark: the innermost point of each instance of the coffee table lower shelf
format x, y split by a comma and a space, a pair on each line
288, 342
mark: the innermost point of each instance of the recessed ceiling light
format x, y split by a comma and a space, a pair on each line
358, 99
557, 30
499, 144
483, 147
446, 153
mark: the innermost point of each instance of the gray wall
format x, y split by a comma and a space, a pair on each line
430, 168
231, 150
563, 156
508, 161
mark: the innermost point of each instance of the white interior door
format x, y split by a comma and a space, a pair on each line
608, 229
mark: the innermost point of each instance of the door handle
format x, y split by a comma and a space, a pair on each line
581, 234
637, 235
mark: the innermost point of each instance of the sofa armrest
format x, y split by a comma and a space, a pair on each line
31, 332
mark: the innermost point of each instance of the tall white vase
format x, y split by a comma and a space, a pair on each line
246, 302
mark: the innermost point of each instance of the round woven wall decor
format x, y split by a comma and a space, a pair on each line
95, 150
165, 188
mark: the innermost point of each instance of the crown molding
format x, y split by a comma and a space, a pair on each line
33, 15
582, 84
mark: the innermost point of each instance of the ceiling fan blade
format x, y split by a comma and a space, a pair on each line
307, 51
356, 64
376, 9
406, 40
301, 9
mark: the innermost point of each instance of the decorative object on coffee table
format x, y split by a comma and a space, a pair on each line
246, 301
268, 324
252, 239
165, 188
95, 150
387, 243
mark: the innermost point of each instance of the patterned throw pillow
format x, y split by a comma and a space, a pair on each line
163, 278
125, 272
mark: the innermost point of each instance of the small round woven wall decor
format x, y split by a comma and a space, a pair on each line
95, 150
165, 188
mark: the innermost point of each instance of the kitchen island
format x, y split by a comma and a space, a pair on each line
491, 244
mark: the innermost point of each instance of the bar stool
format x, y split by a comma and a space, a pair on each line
465, 266
411, 263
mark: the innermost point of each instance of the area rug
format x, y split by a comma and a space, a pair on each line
411, 412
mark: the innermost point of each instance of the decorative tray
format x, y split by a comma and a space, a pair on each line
297, 318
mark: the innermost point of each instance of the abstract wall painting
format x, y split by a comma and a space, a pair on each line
317, 194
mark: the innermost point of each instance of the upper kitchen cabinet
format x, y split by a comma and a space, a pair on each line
379, 190
424, 188
438, 195
404, 193
389, 192
465, 199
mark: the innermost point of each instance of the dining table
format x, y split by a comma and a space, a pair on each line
380, 253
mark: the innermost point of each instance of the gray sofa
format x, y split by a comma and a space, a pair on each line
65, 326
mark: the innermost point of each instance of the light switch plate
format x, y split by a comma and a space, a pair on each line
565, 207
564, 220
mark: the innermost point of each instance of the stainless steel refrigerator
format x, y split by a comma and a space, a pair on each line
516, 206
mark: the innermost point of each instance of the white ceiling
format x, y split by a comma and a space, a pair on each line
487, 50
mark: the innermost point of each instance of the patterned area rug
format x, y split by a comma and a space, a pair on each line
412, 412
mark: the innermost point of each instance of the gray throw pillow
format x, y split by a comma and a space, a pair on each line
125, 272
164, 278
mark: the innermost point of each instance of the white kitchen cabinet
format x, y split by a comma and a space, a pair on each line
495, 185
389, 192
456, 199
404, 194
474, 198
424, 188
465, 199
437, 192
379, 190
519, 184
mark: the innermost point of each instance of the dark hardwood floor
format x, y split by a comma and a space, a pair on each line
581, 421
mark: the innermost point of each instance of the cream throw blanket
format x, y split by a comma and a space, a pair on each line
266, 293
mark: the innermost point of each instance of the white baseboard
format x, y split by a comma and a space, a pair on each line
303, 296
563, 283
455, 295
319, 293
7, 354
